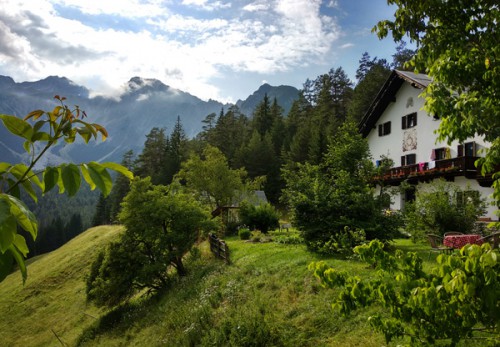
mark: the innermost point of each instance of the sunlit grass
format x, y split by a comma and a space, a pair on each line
265, 297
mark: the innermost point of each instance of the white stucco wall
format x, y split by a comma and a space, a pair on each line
391, 145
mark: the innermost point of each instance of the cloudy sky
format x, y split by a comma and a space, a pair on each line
217, 49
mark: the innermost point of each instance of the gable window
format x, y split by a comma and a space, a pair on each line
409, 121
467, 149
384, 129
408, 159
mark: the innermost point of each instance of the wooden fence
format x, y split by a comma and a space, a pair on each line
219, 247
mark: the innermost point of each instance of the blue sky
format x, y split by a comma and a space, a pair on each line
217, 49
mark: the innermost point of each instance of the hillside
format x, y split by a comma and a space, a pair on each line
266, 294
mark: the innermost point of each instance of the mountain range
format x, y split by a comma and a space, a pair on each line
143, 104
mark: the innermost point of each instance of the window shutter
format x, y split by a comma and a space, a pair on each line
403, 122
415, 117
387, 128
411, 159
403, 160
460, 150
380, 130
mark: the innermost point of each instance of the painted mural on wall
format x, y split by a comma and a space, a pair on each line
410, 140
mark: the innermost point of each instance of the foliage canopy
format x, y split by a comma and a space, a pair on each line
62, 123
458, 48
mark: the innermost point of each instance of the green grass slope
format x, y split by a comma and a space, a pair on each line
266, 297
50, 309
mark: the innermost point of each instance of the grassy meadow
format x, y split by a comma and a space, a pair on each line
266, 297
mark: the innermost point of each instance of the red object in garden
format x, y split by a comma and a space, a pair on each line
458, 241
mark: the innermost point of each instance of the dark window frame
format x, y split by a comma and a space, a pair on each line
384, 129
409, 121
408, 159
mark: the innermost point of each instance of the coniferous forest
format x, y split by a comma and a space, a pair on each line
262, 143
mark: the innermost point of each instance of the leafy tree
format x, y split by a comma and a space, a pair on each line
211, 178
161, 225
457, 300
443, 207
458, 48
326, 198
263, 217
61, 123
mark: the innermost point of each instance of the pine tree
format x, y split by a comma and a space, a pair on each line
120, 188
153, 157
175, 152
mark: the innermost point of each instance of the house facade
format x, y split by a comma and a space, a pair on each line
397, 127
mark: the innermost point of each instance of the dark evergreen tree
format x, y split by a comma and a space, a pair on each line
74, 227
120, 188
367, 88
102, 213
402, 56
175, 152
230, 133
153, 157
262, 117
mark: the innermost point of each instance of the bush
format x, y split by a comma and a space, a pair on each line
457, 300
443, 207
263, 217
342, 242
244, 234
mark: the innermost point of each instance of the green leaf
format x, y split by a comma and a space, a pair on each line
71, 178
40, 136
21, 245
25, 218
6, 262
4, 167
27, 146
20, 261
50, 178
100, 176
17, 126
86, 176
7, 226
118, 168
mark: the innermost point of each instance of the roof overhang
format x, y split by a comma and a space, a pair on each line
387, 94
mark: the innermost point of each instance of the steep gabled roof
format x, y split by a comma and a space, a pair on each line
387, 94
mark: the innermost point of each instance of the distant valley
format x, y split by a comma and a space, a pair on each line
144, 104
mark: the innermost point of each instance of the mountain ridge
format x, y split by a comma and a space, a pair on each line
143, 104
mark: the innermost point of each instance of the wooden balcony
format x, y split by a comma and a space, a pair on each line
445, 168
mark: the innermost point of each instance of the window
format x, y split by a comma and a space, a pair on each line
384, 129
467, 149
442, 153
408, 159
409, 121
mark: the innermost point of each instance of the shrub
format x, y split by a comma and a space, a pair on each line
342, 242
263, 217
456, 300
443, 207
244, 234
162, 224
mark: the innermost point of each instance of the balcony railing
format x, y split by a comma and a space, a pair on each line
447, 168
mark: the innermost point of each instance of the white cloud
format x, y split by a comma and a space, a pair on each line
206, 4
183, 51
